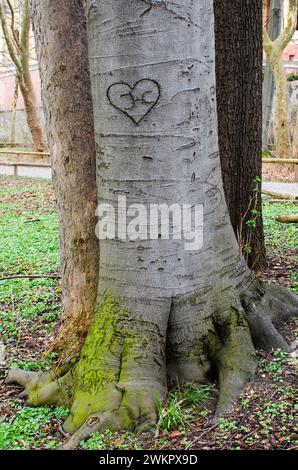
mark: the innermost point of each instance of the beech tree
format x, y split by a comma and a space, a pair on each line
163, 311
18, 45
239, 48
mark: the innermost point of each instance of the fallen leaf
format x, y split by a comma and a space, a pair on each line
175, 433
199, 423
119, 442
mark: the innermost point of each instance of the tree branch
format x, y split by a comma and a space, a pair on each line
31, 276
9, 42
267, 43
285, 37
14, 34
24, 45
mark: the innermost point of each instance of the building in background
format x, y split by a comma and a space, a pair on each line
290, 54
8, 87
7, 80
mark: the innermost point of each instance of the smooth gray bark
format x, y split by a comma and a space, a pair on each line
163, 312
174, 46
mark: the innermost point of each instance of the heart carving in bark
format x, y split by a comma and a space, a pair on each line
135, 101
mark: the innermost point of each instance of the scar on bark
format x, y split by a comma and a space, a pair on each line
239, 324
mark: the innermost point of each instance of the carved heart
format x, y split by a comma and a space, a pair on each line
136, 101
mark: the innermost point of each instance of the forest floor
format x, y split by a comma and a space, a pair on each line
263, 417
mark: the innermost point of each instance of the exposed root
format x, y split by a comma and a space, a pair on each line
20, 376
121, 372
127, 406
263, 332
232, 354
128, 410
94, 424
277, 304
44, 388
280, 302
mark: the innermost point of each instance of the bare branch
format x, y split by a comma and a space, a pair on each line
13, 29
31, 276
285, 37
8, 40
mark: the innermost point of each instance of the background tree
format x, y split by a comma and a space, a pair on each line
18, 46
238, 36
62, 51
274, 28
162, 311
274, 50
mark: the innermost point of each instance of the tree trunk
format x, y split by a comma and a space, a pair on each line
26, 85
165, 309
274, 29
282, 128
14, 111
18, 45
295, 138
60, 33
238, 35
32, 117
274, 50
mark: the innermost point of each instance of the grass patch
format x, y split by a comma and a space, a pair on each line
184, 406
29, 428
280, 236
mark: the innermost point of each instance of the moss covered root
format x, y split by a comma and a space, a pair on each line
115, 373
121, 370
54, 387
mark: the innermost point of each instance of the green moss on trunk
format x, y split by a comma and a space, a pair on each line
112, 340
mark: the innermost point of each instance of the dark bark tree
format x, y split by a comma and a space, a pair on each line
162, 311
238, 37
61, 42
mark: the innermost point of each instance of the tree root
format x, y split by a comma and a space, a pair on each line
232, 354
125, 399
129, 409
94, 424
45, 388
277, 304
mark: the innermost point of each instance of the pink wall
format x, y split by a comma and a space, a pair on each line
7, 84
290, 50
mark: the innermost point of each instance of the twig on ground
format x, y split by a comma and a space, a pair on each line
201, 435
31, 276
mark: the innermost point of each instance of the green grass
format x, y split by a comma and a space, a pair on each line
108, 440
280, 236
29, 428
282, 239
183, 406
29, 245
